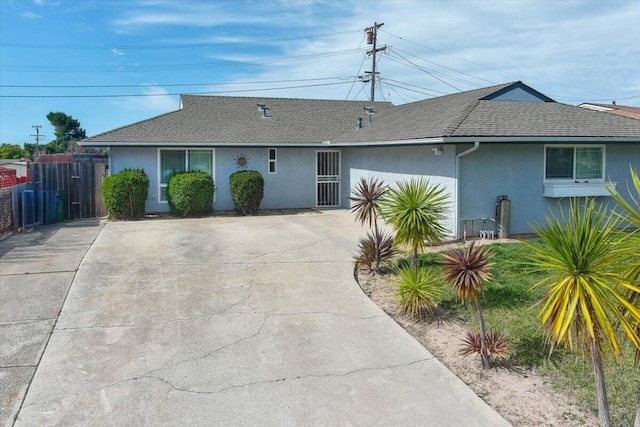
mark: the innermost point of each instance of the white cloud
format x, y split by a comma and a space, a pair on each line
153, 99
39, 2
30, 15
117, 52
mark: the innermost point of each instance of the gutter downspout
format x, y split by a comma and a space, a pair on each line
476, 145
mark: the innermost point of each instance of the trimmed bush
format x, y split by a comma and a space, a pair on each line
190, 194
125, 194
247, 190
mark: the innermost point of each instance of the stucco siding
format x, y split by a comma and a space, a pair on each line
517, 170
292, 186
393, 164
140, 158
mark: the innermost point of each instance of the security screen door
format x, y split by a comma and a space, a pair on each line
328, 178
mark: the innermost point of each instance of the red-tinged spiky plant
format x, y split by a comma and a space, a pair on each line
365, 200
497, 346
467, 269
374, 250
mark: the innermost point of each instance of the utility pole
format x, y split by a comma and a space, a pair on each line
37, 135
372, 35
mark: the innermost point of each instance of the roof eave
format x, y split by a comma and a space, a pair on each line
538, 139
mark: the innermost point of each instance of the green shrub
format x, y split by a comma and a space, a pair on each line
417, 291
125, 194
190, 194
247, 190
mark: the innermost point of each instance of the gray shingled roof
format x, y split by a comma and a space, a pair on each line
430, 118
236, 120
465, 115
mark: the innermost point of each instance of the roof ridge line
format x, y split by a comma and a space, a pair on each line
461, 118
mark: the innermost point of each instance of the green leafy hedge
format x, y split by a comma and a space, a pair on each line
190, 194
247, 190
125, 194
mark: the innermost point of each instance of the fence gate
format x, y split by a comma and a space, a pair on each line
328, 178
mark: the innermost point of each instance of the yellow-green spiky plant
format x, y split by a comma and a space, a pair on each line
415, 209
631, 215
586, 298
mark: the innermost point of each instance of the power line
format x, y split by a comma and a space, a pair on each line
519, 76
168, 46
428, 72
165, 85
173, 94
445, 67
170, 67
438, 92
403, 61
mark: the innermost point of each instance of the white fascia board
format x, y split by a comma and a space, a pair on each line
544, 139
200, 144
595, 107
417, 141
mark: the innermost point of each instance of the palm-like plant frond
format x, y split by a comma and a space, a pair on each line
417, 290
365, 200
631, 208
585, 297
415, 210
467, 269
497, 346
382, 242
632, 217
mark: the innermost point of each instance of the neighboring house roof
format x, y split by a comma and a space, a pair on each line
55, 158
620, 110
237, 120
481, 114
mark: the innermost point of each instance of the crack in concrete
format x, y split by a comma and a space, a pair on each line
284, 251
17, 366
277, 380
28, 273
148, 374
140, 325
187, 319
36, 320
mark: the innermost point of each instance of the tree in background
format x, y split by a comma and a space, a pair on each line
65, 129
11, 151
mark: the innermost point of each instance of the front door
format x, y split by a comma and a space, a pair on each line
328, 178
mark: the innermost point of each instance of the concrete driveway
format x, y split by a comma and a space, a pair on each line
235, 322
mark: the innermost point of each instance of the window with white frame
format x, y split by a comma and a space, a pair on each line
578, 163
173, 161
273, 158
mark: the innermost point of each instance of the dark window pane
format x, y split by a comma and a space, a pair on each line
589, 163
171, 161
559, 162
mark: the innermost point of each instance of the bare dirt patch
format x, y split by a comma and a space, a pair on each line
521, 395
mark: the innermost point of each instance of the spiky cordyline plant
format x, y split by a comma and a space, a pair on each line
366, 199
497, 346
365, 203
585, 300
467, 269
415, 210
374, 250
417, 291
631, 210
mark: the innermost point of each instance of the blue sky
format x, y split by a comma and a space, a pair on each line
115, 62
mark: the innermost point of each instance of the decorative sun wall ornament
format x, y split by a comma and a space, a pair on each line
242, 161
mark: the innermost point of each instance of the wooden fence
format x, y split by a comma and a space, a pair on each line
56, 192
76, 186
